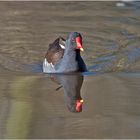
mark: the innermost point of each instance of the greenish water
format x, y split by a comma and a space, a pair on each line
31, 103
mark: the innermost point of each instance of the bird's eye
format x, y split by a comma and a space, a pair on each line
73, 40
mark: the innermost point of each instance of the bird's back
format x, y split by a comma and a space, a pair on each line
55, 52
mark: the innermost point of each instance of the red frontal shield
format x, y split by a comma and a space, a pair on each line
79, 43
79, 104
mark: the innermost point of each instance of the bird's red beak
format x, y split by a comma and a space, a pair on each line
79, 43
79, 104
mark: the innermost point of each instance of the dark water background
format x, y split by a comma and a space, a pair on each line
30, 106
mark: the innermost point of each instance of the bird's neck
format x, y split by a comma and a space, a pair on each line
69, 63
77, 53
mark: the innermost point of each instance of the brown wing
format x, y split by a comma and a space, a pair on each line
55, 52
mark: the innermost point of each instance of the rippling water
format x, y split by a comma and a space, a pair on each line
33, 105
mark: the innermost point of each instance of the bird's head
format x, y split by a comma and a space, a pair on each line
76, 106
74, 40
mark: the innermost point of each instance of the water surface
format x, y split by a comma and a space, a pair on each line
36, 105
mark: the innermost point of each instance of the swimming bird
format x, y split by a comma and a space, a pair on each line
63, 56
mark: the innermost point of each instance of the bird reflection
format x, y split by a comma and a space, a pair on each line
71, 84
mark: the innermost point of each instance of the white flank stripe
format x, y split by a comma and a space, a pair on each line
63, 47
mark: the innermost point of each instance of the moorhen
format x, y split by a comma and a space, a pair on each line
63, 56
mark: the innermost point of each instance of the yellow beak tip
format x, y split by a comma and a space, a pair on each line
81, 49
81, 101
